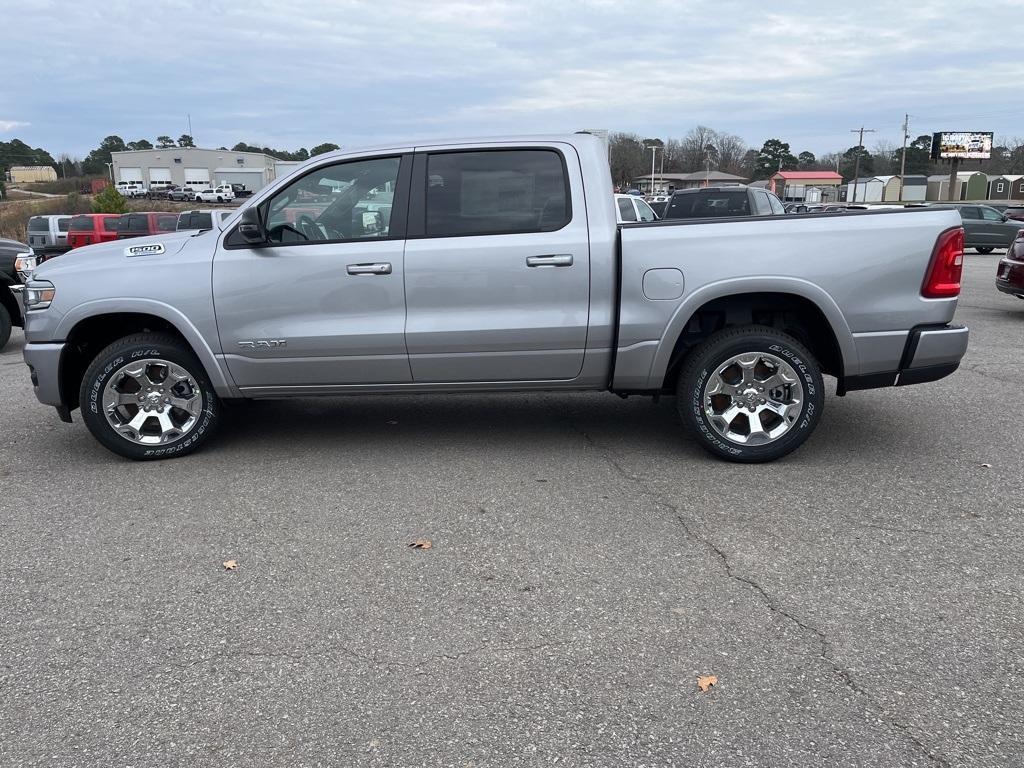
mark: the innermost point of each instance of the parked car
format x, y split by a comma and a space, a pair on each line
48, 234
146, 223
632, 208
501, 268
659, 208
1015, 212
132, 188
180, 194
241, 190
91, 228
1010, 272
208, 218
727, 201
222, 194
985, 228
160, 190
16, 261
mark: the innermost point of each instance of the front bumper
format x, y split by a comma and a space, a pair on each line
1010, 277
43, 362
932, 352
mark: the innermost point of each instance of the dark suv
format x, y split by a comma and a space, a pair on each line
717, 202
11, 251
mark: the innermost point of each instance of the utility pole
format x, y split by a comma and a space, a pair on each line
189, 116
856, 162
903, 157
654, 153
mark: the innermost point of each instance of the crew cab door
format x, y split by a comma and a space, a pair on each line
321, 304
497, 265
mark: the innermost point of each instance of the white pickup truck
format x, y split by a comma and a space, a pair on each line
488, 266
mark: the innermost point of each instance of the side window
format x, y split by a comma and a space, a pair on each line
761, 203
776, 204
496, 192
346, 201
991, 214
63, 224
110, 223
969, 212
626, 212
644, 210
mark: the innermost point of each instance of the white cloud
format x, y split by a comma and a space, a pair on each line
10, 125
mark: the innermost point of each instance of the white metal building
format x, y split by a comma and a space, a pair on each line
181, 165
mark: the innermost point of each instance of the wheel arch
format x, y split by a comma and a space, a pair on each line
795, 305
90, 327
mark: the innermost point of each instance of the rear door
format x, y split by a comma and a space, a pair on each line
497, 266
998, 233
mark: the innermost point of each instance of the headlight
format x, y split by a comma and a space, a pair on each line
39, 294
24, 263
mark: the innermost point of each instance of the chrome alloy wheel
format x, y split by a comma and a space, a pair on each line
152, 401
753, 398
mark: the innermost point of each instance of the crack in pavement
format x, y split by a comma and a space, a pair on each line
773, 605
983, 374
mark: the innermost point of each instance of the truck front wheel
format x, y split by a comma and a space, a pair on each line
5, 325
750, 394
146, 396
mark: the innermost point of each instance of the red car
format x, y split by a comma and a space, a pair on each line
147, 223
89, 228
1010, 273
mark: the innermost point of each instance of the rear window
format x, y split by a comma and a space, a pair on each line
38, 224
81, 224
110, 223
707, 204
496, 192
167, 222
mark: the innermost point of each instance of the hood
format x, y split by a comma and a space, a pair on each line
118, 254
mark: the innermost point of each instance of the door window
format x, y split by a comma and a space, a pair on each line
761, 204
346, 201
496, 192
626, 212
776, 204
645, 211
991, 214
969, 212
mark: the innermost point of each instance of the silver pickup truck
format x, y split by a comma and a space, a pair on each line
486, 266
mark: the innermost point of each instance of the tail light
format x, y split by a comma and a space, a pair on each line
943, 278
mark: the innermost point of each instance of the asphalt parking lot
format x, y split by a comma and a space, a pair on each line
859, 602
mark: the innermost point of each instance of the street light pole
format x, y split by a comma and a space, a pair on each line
654, 153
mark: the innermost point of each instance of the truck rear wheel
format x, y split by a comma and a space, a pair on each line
750, 394
147, 397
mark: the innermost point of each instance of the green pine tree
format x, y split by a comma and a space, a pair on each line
109, 201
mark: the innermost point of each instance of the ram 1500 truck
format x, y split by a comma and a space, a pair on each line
492, 265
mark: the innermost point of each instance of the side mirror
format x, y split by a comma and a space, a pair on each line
250, 228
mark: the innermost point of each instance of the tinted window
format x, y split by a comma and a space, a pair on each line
38, 224
110, 223
167, 222
499, 192
63, 224
626, 212
345, 201
776, 204
708, 203
81, 224
969, 212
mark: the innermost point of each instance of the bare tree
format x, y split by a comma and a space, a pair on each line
886, 155
626, 155
695, 146
729, 152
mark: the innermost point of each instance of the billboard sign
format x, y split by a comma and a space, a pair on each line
962, 145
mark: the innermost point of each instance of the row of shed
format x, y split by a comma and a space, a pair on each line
913, 188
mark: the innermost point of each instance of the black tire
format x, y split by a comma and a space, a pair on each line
139, 346
702, 361
5, 324
984, 250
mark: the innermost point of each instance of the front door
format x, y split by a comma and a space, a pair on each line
498, 275
322, 304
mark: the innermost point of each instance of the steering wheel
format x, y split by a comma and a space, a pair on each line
308, 227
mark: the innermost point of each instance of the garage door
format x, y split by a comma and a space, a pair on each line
197, 176
159, 174
130, 174
252, 179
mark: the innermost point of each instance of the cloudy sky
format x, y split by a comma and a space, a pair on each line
290, 74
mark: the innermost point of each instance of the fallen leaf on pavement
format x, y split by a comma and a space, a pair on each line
704, 682
422, 544
987, 466
230, 565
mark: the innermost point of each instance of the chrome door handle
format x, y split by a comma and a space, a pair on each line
558, 260
384, 268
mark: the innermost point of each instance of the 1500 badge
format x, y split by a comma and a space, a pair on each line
263, 344
144, 250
